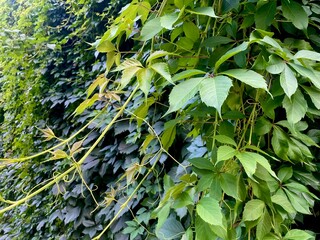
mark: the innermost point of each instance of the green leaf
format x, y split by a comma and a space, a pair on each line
314, 95
281, 199
242, 47
263, 162
313, 75
128, 63
285, 174
225, 140
205, 11
209, 210
253, 210
158, 54
296, 234
150, 29
249, 77
270, 41
248, 162
225, 153
186, 74
203, 230
288, 81
296, 108
86, 104
168, 137
182, 93
295, 13
264, 226
144, 77
163, 69
191, 31
229, 185
298, 203
105, 46
127, 75
276, 65
214, 91
202, 163
264, 16
171, 229
311, 55
168, 20
215, 41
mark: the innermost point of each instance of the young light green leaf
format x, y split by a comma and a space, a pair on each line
263, 162
297, 234
168, 20
314, 94
128, 63
214, 91
288, 81
182, 93
209, 210
144, 76
186, 74
249, 77
307, 54
295, 13
272, 42
225, 152
127, 75
242, 47
253, 210
313, 75
150, 29
105, 46
163, 69
86, 104
206, 11
296, 108
158, 54
248, 162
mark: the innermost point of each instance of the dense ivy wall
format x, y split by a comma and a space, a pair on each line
168, 120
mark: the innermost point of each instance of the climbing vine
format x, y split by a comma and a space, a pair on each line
200, 123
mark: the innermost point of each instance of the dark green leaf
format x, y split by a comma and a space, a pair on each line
295, 13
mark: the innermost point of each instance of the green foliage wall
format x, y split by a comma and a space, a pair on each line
201, 123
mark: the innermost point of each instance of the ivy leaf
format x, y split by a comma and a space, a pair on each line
249, 77
163, 69
288, 81
182, 93
214, 91
296, 234
253, 210
205, 11
296, 108
242, 47
209, 210
314, 95
150, 29
295, 13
